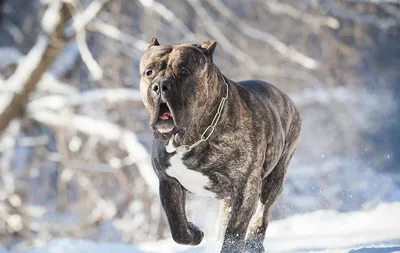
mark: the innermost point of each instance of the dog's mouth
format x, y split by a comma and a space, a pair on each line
165, 112
165, 122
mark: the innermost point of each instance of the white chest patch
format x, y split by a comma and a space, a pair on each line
192, 180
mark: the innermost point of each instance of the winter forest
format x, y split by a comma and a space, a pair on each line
75, 140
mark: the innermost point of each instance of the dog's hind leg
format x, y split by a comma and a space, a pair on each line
271, 188
244, 203
256, 230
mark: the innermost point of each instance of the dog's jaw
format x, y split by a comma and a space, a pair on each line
163, 119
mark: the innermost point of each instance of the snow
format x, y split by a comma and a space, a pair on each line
370, 231
341, 184
81, 246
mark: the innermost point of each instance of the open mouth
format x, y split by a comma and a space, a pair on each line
165, 121
165, 112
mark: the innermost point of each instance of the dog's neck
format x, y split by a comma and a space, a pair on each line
205, 113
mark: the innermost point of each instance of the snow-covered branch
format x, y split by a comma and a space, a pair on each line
79, 23
48, 46
286, 51
226, 44
312, 20
33, 66
116, 34
58, 102
364, 18
94, 68
48, 82
169, 16
107, 131
81, 20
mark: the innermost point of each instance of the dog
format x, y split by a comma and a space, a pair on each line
215, 137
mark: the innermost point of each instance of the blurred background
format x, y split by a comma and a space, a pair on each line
74, 150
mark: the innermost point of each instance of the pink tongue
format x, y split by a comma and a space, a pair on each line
166, 115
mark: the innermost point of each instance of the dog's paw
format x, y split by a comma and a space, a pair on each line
231, 249
197, 234
254, 247
192, 236
232, 245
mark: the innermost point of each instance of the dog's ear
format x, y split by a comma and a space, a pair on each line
154, 42
209, 47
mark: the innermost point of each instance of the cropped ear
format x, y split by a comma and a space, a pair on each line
154, 42
209, 47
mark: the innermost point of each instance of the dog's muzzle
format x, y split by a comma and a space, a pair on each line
164, 121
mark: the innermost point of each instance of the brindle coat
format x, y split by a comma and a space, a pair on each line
246, 157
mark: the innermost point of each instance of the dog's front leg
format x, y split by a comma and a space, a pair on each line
243, 206
173, 198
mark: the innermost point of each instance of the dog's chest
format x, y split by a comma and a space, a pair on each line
192, 180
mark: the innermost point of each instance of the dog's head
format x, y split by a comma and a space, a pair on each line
176, 83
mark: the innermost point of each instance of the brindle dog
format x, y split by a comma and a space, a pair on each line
216, 137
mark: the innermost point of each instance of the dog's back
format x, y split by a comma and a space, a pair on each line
269, 95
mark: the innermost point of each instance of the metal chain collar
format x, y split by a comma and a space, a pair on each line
210, 129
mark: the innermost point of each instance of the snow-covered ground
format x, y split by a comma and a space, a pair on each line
371, 231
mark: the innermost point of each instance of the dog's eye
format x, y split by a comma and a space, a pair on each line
184, 72
148, 72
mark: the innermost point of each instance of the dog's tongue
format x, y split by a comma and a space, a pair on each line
166, 115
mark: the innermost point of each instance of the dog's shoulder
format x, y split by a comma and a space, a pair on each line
262, 90
274, 100
267, 93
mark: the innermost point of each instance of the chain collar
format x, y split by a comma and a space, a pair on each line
210, 129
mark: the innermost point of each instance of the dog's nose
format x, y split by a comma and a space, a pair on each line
162, 88
156, 88
165, 86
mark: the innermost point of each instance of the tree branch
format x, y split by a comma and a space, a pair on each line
365, 18
33, 66
169, 16
48, 46
94, 68
313, 20
286, 51
227, 46
48, 82
81, 20
108, 131
116, 34
58, 102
